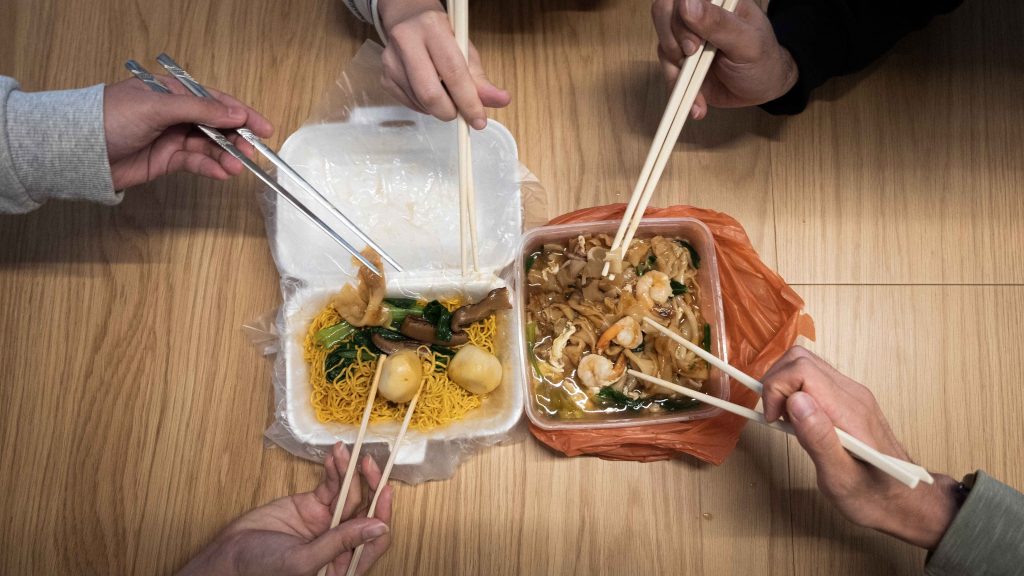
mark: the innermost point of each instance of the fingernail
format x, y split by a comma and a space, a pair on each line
374, 531
236, 112
479, 123
695, 8
689, 47
801, 406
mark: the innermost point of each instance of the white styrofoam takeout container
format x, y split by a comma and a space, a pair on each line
393, 172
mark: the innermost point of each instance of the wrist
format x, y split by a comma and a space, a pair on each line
391, 12
922, 517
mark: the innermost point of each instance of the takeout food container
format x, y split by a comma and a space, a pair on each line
392, 171
689, 229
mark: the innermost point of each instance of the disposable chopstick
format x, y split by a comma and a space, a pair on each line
660, 142
689, 97
155, 85
884, 464
354, 562
193, 86
353, 461
458, 15
851, 443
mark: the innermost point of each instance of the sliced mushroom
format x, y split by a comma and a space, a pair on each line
419, 329
390, 347
495, 300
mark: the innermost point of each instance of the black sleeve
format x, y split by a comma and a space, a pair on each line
834, 37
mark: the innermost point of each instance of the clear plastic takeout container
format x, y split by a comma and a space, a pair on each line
689, 229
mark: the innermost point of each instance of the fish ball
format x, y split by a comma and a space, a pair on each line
476, 370
400, 376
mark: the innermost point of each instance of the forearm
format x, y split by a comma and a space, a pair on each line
834, 37
52, 145
367, 11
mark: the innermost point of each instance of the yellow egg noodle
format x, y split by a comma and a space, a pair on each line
342, 401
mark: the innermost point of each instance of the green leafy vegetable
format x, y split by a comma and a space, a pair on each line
677, 288
432, 311
647, 265
610, 397
694, 256
341, 357
531, 259
406, 303
399, 308
331, 336
556, 401
531, 343
435, 313
444, 327
705, 342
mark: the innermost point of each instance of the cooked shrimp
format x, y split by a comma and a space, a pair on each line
625, 332
596, 371
654, 288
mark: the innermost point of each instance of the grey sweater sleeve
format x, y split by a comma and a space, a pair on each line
987, 535
52, 145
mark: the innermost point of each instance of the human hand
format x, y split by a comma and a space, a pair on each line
290, 535
815, 398
150, 134
750, 68
424, 68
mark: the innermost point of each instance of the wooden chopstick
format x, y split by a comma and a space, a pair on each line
458, 15
852, 444
354, 562
661, 142
871, 457
353, 461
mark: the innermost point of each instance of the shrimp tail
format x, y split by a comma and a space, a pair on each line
609, 335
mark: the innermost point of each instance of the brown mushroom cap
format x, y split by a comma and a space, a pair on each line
390, 347
495, 300
423, 331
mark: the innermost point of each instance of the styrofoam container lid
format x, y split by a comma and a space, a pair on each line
393, 172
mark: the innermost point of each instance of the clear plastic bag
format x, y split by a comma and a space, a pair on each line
394, 173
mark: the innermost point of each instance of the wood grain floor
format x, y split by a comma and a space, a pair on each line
132, 407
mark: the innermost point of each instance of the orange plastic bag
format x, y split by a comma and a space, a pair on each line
763, 317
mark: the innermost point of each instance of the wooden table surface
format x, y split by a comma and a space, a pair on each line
132, 407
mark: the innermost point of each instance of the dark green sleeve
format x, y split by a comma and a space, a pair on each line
987, 535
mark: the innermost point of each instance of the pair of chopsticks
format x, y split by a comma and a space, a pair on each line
691, 76
353, 462
906, 472
197, 89
458, 16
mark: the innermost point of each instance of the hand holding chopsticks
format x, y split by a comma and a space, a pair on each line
906, 472
691, 76
157, 86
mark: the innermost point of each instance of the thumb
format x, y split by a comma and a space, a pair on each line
338, 540
172, 109
817, 435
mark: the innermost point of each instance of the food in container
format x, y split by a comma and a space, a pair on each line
581, 331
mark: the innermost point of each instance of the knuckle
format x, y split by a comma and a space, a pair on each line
404, 33
430, 97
